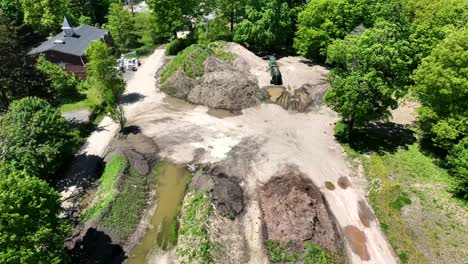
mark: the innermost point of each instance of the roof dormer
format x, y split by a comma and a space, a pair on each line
68, 30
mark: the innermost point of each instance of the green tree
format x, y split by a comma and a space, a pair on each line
172, 16
18, 77
371, 73
95, 10
45, 16
323, 21
268, 25
103, 76
457, 161
121, 26
63, 85
432, 21
441, 84
12, 10
34, 136
232, 10
30, 231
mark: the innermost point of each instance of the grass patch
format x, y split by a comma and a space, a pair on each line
88, 99
398, 180
387, 199
124, 212
311, 254
107, 188
223, 55
191, 60
194, 245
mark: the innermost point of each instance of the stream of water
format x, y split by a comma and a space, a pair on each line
172, 181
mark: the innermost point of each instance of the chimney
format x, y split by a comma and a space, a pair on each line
68, 30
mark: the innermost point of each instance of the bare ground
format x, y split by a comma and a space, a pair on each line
255, 146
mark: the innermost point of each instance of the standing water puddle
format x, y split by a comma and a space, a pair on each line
170, 190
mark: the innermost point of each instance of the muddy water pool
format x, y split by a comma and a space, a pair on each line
171, 182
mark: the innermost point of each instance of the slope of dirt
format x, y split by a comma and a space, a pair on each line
224, 86
294, 210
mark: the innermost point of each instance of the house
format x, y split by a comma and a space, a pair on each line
68, 47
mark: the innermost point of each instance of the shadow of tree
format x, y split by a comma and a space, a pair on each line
130, 130
381, 137
131, 98
96, 247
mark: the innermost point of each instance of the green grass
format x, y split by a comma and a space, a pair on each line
107, 188
127, 205
191, 60
311, 254
223, 55
399, 179
194, 244
88, 100
384, 195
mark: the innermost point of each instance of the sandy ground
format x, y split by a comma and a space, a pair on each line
259, 143
187, 133
406, 113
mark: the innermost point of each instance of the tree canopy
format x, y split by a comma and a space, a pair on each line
441, 84
35, 136
103, 74
121, 26
62, 84
268, 25
45, 16
18, 76
30, 231
371, 72
172, 16
323, 21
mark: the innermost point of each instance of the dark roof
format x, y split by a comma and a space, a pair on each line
74, 45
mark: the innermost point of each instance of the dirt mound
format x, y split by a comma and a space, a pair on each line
226, 193
225, 86
178, 85
140, 151
294, 210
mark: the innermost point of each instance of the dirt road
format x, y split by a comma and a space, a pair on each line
139, 88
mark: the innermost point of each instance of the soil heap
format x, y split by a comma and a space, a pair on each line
294, 211
222, 85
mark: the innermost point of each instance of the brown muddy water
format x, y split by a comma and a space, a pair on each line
275, 92
171, 181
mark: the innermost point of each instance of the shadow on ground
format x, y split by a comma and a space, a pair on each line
381, 137
130, 130
96, 247
131, 98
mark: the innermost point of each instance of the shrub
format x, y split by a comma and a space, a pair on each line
458, 164
177, 45
63, 85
